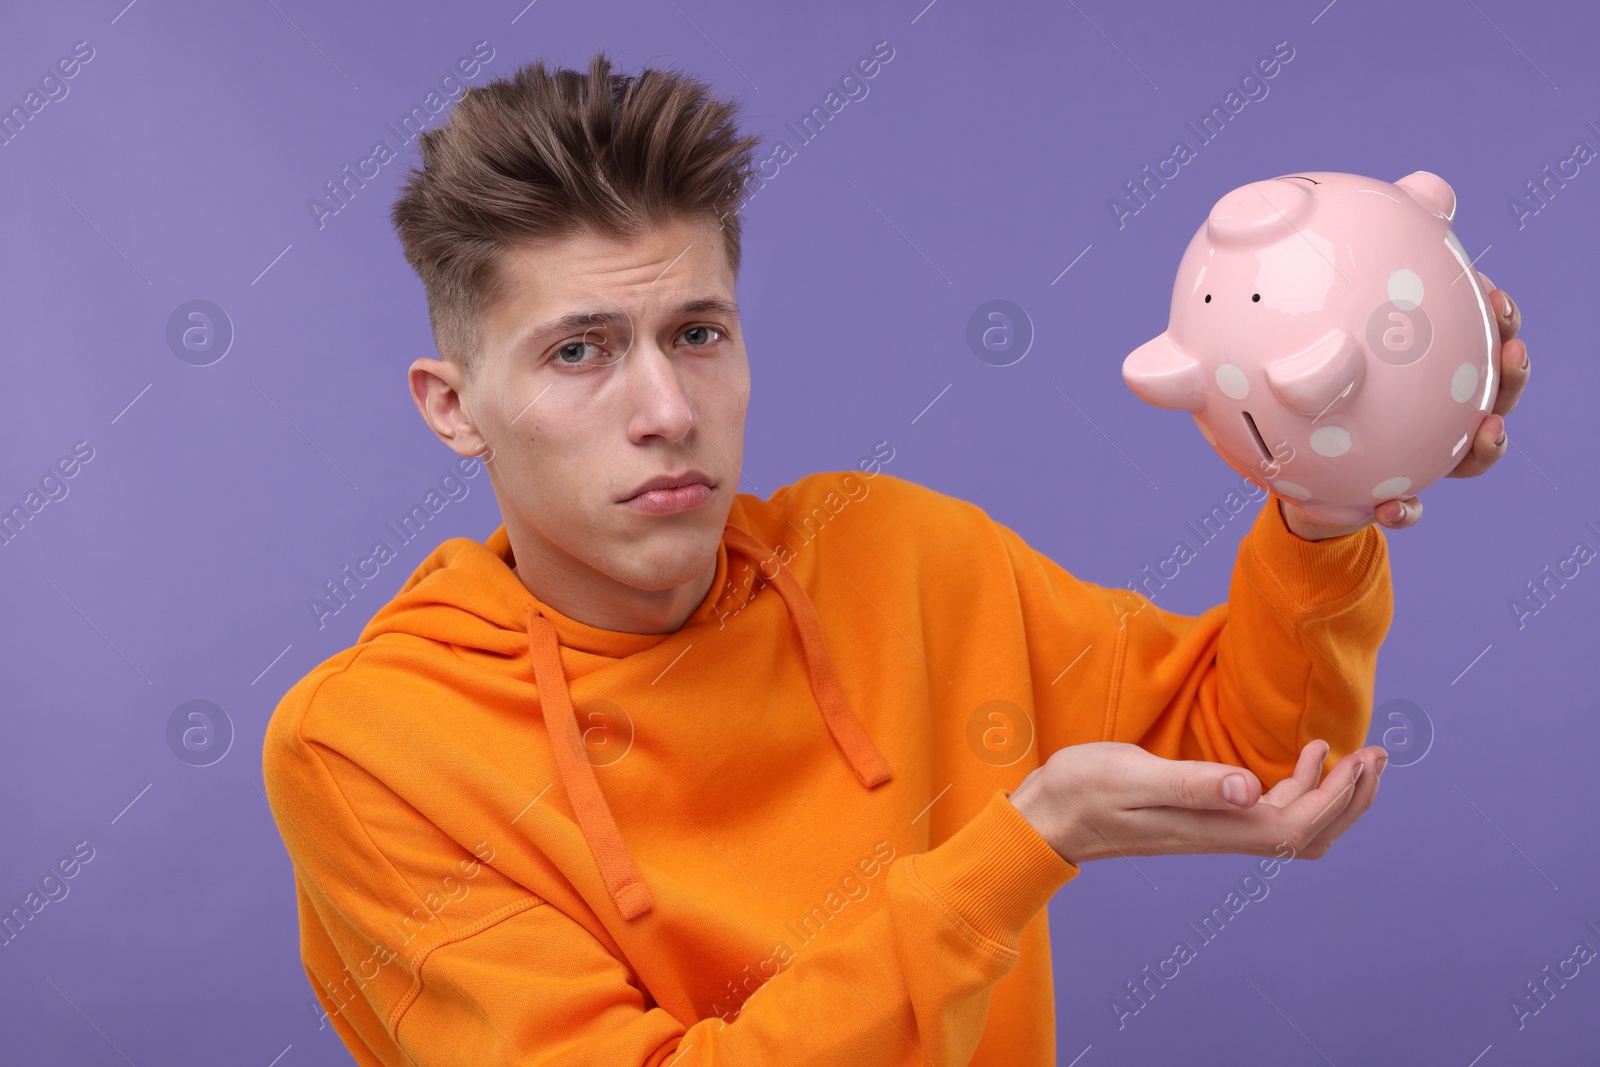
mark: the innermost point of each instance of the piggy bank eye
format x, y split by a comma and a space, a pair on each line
1208, 298
1255, 297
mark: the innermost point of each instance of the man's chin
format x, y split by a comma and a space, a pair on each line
667, 559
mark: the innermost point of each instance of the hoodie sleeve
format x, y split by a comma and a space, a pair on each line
500, 976
1289, 657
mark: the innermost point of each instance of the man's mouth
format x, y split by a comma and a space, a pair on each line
670, 481
671, 493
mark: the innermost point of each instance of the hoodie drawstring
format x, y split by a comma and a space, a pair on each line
865, 759
594, 817
577, 773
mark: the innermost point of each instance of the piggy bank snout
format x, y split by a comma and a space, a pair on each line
1261, 212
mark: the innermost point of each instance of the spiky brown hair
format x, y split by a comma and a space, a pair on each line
546, 154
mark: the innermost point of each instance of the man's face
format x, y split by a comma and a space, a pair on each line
609, 364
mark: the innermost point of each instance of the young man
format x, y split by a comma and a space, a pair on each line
662, 772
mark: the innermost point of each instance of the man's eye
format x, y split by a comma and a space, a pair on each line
702, 329
571, 354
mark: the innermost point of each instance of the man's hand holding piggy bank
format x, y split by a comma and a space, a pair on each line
1330, 346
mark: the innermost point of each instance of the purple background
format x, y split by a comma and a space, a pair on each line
979, 166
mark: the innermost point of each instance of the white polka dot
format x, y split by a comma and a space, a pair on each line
1231, 380
1288, 488
1391, 487
1206, 432
1464, 383
1330, 441
1405, 289
1459, 444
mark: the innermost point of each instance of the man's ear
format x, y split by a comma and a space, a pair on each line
438, 389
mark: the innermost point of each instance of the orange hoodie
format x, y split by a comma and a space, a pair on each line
783, 833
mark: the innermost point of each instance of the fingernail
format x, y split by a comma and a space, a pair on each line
1498, 441
1382, 763
1233, 790
1510, 308
1525, 359
1361, 765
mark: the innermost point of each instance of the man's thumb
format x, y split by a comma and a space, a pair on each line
1216, 785
1241, 790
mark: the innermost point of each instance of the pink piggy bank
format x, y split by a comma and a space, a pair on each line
1331, 339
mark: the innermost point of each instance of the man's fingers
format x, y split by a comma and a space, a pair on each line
1507, 315
1515, 368
1320, 808
1366, 790
1185, 806
1199, 824
1398, 514
1307, 772
1198, 785
1489, 443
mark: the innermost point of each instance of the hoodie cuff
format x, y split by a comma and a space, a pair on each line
995, 873
1314, 574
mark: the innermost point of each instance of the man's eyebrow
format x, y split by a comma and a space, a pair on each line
583, 320
707, 304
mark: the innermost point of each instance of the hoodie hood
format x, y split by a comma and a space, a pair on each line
465, 594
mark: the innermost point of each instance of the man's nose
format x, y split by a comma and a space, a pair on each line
661, 404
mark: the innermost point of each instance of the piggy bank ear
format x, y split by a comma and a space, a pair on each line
1320, 378
1432, 192
1159, 373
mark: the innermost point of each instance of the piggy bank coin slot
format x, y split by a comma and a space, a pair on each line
1256, 436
